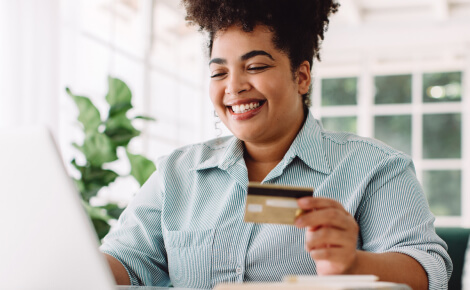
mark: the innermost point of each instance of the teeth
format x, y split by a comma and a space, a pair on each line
238, 109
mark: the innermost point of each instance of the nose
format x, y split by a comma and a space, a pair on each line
236, 84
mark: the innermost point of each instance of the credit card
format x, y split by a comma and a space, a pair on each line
274, 203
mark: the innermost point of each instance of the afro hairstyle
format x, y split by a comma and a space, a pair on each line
298, 26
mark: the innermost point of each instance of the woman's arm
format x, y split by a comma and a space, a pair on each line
331, 238
119, 272
136, 241
394, 267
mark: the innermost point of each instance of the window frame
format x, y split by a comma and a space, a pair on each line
372, 65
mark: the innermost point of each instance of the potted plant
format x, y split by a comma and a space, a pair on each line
102, 139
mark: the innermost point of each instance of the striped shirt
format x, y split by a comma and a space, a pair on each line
185, 226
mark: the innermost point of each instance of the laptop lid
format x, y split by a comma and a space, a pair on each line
46, 239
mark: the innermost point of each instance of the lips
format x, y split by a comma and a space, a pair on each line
243, 108
246, 110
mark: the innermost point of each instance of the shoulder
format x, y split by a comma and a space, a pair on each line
360, 150
352, 141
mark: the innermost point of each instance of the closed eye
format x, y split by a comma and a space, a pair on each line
217, 75
258, 68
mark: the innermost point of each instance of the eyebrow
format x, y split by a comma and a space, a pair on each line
244, 57
254, 53
218, 61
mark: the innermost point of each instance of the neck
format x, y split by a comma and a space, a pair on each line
272, 151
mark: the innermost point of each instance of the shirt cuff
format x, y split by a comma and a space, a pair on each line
434, 265
132, 277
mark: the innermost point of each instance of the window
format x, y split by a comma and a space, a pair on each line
393, 89
395, 130
442, 87
420, 113
340, 91
341, 124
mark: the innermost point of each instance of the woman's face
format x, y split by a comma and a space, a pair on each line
252, 86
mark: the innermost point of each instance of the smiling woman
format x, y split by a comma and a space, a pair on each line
368, 214
246, 68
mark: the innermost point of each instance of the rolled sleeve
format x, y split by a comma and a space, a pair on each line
137, 241
431, 259
395, 217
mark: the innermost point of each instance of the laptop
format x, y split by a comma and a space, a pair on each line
46, 239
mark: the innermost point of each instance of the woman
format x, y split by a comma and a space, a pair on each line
368, 214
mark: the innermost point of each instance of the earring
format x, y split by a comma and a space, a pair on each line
218, 130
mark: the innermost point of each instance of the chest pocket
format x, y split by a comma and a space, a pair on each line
189, 258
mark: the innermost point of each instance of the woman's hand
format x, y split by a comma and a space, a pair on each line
330, 236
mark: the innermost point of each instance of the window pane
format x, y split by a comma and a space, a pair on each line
441, 136
393, 89
442, 87
395, 131
340, 124
442, 188
337, 92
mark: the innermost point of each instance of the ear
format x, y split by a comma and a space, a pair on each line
304, 77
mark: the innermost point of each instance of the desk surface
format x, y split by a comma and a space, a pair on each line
394, 287
150, 288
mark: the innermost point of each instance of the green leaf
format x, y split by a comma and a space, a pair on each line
120, 130
119, 95
96, 178
99, 149
101, 228
78, 167
92, 179
113, 210
89, 192
141, 167
99, 218
99, 176
89, 115
118, 109
97, 212
80, 185
144, 118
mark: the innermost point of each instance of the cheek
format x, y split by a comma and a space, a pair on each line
280, 88
279, 91
215, 94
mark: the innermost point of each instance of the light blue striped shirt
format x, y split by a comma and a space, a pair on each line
185, 226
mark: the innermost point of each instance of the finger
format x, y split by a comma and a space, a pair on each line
316, 203
333, 261
333, 254
329, 237
329, 217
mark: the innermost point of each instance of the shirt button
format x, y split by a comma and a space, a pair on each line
238, 270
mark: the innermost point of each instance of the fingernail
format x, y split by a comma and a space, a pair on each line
299, 222
301, 201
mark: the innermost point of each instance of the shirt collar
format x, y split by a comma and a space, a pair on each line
232, 154
307, 146
226, 152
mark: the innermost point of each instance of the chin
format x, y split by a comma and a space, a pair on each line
245, 131
247, 136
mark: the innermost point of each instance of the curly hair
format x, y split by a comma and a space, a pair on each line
298, 26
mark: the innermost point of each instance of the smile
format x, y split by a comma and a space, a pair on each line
240, 109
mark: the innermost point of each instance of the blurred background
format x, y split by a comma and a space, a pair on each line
395, 70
